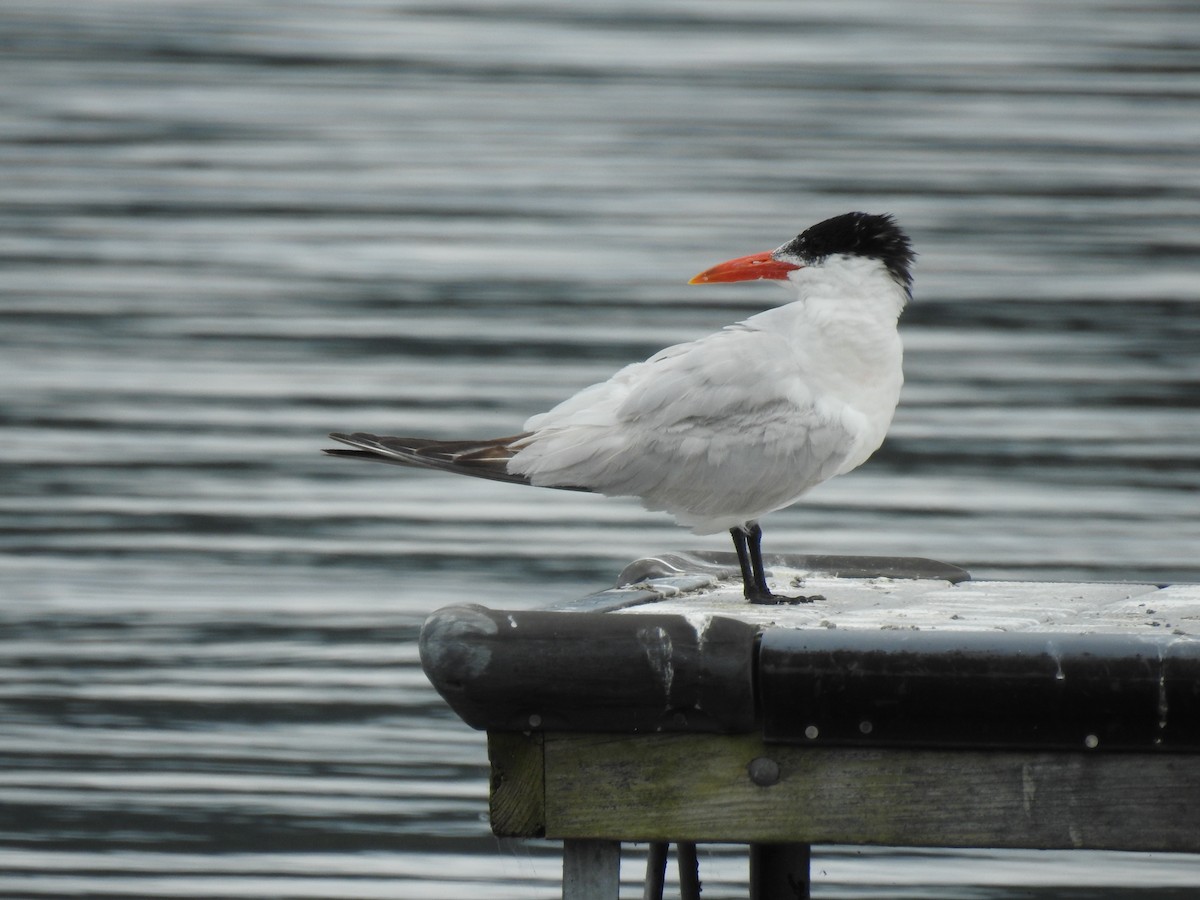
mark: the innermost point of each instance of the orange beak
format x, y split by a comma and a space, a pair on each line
746, 268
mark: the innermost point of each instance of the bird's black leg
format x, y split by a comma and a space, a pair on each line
754, 545
741, 547
747, 541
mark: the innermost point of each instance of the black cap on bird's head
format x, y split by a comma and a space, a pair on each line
854, 234
851, 234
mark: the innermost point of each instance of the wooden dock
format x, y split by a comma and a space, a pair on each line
906, 705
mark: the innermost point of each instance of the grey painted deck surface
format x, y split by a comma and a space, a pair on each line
925, 603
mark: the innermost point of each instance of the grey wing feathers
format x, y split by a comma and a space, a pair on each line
480, 459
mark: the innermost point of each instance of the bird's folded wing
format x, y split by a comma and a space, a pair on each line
730, 420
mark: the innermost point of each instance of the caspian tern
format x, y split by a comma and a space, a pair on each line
720, 431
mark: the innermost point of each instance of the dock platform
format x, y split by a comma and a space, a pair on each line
904, 705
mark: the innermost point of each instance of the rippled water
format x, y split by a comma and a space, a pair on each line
228, 228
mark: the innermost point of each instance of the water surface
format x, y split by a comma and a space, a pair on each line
227, 229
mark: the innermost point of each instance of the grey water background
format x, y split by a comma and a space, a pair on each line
227, 228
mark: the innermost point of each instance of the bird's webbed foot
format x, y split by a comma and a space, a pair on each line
766, 598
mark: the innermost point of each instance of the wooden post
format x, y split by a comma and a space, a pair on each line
689, 871
779, 871
656, 871
591, 870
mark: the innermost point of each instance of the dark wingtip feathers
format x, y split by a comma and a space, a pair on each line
479, 459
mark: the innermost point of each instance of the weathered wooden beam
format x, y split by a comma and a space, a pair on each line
518, 790
678, 787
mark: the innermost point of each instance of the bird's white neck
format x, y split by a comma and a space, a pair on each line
842, 332
850, 287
